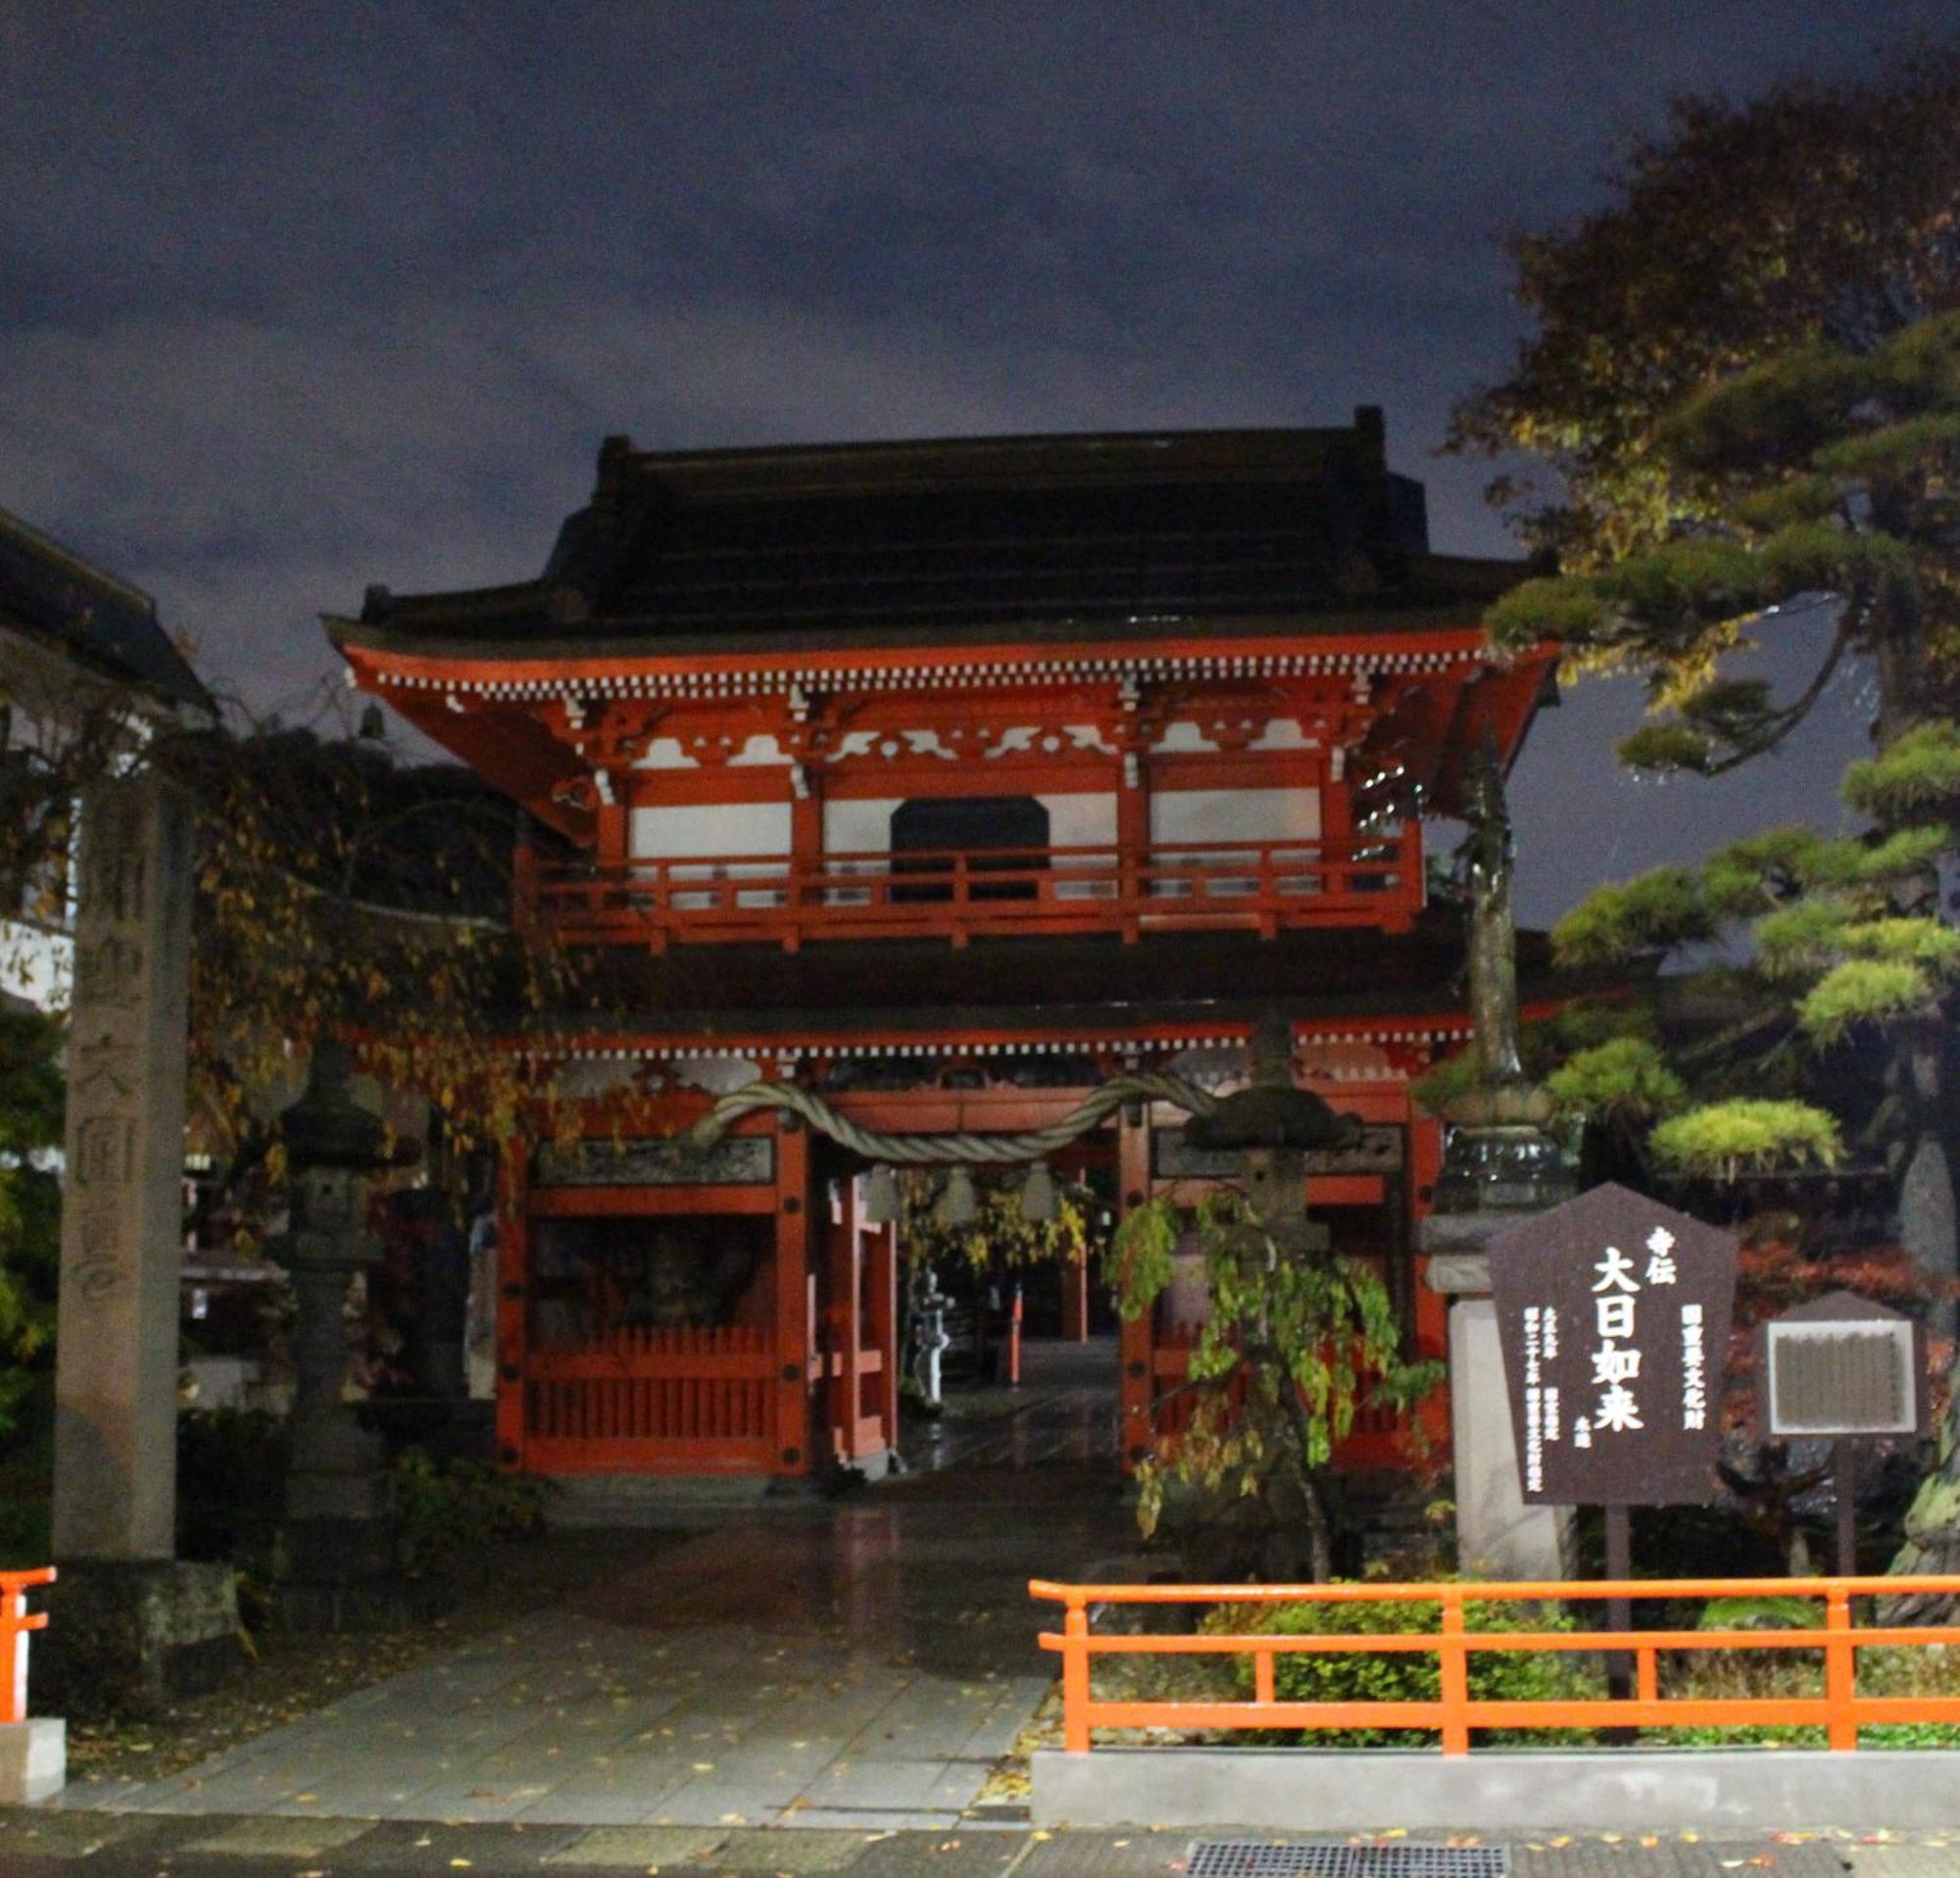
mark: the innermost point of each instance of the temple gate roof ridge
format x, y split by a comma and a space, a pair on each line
955, 539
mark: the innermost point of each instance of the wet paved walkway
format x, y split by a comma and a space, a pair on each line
858, 1664
1066, 1410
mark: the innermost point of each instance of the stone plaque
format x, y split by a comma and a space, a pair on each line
1843, 1365
1172, 1158
735, 1160
1613, 1314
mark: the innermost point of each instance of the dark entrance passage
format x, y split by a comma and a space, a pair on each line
1065, 1412
992, 834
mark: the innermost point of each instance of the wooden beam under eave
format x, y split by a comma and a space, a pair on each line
506, 746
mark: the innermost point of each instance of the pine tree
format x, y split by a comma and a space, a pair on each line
1747, 369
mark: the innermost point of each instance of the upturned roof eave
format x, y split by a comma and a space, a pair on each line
546, 642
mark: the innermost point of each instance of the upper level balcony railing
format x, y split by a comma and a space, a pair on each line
1262, 886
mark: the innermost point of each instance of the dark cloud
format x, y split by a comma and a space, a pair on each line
293, 298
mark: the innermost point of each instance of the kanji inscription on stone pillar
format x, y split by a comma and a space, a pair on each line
116, 1379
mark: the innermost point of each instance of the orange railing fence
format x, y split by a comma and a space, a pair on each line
14, 1624
956, 894
1840, 1710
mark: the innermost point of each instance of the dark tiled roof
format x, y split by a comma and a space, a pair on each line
46, 590
933, 539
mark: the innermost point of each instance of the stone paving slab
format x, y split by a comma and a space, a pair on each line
1654, 1856
39, 1843
286, 1837
1907, 1861
641, 1846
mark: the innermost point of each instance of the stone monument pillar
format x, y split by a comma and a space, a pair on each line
115, 1376
129, 1626
1500, 1167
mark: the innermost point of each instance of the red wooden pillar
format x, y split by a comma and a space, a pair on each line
805, 859
1336, 831
513, 1287
792, 1302
1139, 1340
881, 1274
842, 1320
614, 831
1133, 838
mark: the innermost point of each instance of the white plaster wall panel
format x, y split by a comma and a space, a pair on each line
858, 827
1081, 822
694, 836
1234, 814
665, 753
1227, 817
758, 750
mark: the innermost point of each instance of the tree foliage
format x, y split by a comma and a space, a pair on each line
1294, 1343
1744, 372
1000, 1238
1820, 212
30, 1127
338, 890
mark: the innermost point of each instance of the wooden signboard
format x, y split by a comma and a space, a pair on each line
1854, 1370
1614, 1313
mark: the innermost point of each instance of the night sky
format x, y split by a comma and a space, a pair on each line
296, 298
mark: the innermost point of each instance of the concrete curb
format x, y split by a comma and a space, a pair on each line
33, 1761
1362, 1790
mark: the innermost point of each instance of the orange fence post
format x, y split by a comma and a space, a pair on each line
1840, 1671
1454, 1663
14, 1624
1075, 1677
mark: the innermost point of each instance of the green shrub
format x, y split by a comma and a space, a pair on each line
231, 1483
1508, 1675
1762, 1614
443, 1512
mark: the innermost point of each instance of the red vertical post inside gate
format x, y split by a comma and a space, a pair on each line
1075, 1301
792, 1271
512, 1290
881, 1275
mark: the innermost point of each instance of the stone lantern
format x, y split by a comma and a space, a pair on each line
1273, 1126
336, 1553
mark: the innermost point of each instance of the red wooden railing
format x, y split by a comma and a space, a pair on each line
635, 1398
1264, 886
1840, 1709
14, 1624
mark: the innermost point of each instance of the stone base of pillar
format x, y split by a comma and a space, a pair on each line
33, 1761
131, 1637
341, 1574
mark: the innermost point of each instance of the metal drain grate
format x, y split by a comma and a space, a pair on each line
1261, 1859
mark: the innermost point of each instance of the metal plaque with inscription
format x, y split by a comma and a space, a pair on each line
1843, 1365
736, 1161
1614, 1313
